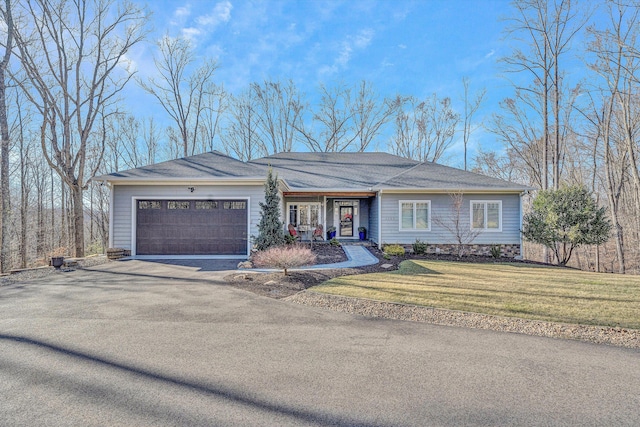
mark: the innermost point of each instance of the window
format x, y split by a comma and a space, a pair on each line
486, 215
206, 204
235, 205
178, 205
305, 215
415, 215
149, 204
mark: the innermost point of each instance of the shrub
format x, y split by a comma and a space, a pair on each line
334, 242
270, 227
284, 257
394, 250
495, 251
289, 239
420, 248
565, 219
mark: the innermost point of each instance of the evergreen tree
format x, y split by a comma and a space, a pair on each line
270, 228
565, 219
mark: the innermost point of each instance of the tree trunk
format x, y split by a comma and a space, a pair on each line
78, 220
5, 205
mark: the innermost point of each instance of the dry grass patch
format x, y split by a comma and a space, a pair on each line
517, 290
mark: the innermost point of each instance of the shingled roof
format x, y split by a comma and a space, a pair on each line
212, 165
322, 171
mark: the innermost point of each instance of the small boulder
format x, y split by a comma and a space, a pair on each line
245, 264
386, 266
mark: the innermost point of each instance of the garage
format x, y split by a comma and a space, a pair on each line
191, 227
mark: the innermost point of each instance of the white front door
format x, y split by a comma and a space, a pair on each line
346, 218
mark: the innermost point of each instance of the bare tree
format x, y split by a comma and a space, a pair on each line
150, 139
330, 128
371, 114
183, 91
73, 57
456, 224
546, 29
5, 204
279, 109
424, 129
211, 120
508, 166
616, 113
471, 106
242, 138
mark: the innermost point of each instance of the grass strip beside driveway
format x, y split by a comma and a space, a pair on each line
516, 290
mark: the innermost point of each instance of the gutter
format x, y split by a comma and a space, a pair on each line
523, 193
380, 219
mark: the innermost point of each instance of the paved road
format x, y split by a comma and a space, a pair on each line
129, 345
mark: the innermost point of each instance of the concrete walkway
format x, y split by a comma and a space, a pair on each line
359, 256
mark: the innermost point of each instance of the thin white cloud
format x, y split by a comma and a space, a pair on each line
127, 63
385, 63
191, 33
402, 46
182, 11
221, 13
363, 39
490, 54
359, 41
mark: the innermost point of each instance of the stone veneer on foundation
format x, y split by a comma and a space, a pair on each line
507, 251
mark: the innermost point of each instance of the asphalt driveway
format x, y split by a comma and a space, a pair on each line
137, 343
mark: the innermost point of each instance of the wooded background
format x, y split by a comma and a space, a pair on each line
63, 119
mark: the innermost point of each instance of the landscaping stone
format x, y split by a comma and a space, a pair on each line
386, 266
620, 337
244, 265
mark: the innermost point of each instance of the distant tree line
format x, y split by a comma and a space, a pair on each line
64, 120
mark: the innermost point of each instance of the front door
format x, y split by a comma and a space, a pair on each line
346, 221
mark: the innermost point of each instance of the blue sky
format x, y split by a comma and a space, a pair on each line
403, 47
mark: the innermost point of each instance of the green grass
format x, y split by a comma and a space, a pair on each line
518, 290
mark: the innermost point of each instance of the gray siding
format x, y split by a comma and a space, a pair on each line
441, 207
123, 196
372, 231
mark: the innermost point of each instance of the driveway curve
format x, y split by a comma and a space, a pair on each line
143, 344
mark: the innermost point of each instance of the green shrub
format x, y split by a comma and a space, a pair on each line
394, 250
495, 251
270, 227
420, 248
334, 242
289, 239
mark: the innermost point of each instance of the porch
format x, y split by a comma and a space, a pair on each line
341, 215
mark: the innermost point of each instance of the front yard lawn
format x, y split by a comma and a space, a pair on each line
516, 290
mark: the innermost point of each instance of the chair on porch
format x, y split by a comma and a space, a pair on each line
293, 232
318, 233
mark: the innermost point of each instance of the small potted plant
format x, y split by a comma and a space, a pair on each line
362, 232
331, 233
57, 257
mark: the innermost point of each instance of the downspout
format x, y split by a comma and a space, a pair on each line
324, 217
520, 226
380, 219
111, 198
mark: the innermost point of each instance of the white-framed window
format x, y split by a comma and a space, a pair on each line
486, 215
415, 215
305, 215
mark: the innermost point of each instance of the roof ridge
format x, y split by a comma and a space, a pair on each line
401, 173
